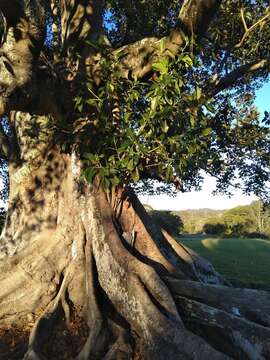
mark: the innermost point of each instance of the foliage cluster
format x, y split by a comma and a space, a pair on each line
171, 125
152, 130
166, 129
129, 21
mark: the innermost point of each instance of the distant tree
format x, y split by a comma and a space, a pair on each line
260, 217
249, 220
167, 220
194, 220
237, 221
266, 223
214, 228
259, 214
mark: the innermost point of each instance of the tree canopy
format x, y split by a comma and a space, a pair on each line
174, 93
195, 112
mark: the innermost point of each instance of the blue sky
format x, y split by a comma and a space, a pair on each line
263, 98
204, 198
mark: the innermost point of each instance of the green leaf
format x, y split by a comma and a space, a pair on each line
130, 165
192, 121
161, 66
131, 134
89, 174
210, 108
92, 102
206, 131
177, 87
90, 157
154, 103
135, 175
111, 87
115, 181
192, 149
164, 126
162, 44
124, 146
187, 60
198, 93
106, 182
169, 172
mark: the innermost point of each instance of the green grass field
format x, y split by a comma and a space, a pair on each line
247, 260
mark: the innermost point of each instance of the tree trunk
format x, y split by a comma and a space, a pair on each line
85, 273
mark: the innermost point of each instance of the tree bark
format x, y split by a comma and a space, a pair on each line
88, 265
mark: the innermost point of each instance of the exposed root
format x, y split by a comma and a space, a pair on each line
33, 355
66, 340
120, 350
138, 294
203, 269
157, 248
44, 324
94, 317
13, 343
135, 292
253, 305
232, 334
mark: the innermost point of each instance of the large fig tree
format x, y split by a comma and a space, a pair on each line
103, 98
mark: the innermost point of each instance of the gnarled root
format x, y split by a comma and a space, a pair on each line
250, 304
156, 247
122, 348
138, 293
236, 336
45, 323
95, 321
144, 295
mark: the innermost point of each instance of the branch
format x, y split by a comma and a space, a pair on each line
4, 144
20, 48
193, 20
249, 30
196, 15
215, 85
81, 20
243, 19
81, 25
229, 80
55, 13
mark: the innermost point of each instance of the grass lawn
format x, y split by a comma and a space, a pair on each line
247, 260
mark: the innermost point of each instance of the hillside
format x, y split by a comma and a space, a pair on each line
194, 220
249, 220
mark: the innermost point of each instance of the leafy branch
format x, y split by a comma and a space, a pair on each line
252, 27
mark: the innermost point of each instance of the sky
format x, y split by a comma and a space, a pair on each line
198, 199
204, 198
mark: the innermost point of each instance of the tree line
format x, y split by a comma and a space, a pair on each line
249, 220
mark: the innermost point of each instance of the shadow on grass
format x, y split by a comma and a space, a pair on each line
244, 259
